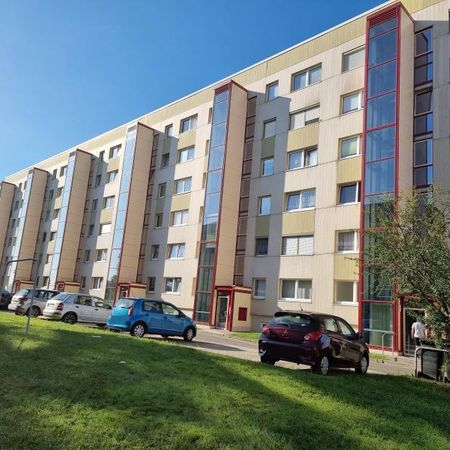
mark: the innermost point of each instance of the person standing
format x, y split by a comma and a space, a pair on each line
417, 332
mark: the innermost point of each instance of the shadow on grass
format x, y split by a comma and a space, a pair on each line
77, 390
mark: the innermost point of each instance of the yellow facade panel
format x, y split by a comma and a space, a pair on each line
106, 215
349, 170
298, 222
114, 164
303, 137
262, 226
346, 267
187, 139
268, 147
180, 202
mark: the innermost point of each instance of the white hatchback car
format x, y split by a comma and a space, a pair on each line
21, 301
72, 308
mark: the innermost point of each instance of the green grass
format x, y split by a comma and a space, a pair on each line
66, 388
245, 335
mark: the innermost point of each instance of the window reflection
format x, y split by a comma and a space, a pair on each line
381, 111
383, 48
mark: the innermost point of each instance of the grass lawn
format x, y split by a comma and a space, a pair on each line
72, 387
246, 335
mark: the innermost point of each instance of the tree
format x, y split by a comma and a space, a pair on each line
410, 251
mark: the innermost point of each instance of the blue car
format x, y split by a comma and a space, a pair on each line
142, 316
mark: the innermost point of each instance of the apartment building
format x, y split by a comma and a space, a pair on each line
252, 194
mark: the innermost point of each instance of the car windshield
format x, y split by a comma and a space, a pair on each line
125, 303
62, 296
292, 320
23, 292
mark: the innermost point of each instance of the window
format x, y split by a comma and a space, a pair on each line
423, 163
101, 254
105, 228
347, 241
262, 245
189, 123
259, 288
48, 258
94, 204
83, 283
158, 220
348, 193
180, 217
422, 102
91, 230
186, 154
98, 180
306, 77
346, 291
97, 282
52, 235
298, 159
210, 111
269, 128
16, 204
267, 167
264, 204
351, 102
50, 195
59, 191
297, 245
296, 201
353, 59
62, 171
155, 251
182, 186
87, 255
300, 119
168, 131
151, 283
111, 176
55, 213
296, 290
349, 146
423, 61
165, 160
55, 173
272, 91
424, 42
172, 285
101, 155
175, 251
108, 202
162, 190
114, 151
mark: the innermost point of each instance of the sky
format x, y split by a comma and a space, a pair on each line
71, 70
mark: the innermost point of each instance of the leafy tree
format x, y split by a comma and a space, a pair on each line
410, 250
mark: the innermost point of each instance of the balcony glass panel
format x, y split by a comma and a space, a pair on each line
380, 144
381, 111
383, 48
382, 78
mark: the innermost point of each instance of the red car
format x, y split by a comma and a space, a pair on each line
318, 340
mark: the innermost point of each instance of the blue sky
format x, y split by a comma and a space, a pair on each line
70, 70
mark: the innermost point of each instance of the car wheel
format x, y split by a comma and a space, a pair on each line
165, 336
363, 365
70, 317
266, 359
189, 334
138, 330
35, 311
323, 365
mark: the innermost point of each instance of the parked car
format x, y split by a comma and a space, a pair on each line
21, 301
5, 299
142, 316
318, 340
72, 308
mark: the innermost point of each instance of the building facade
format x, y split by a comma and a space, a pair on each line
253, 194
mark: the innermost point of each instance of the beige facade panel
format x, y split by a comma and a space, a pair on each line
137, 198
106, 215
114, 164
268, 147
298, 222
6, 203
303, 137
32, 222
231, 188
242, 300
186, 139
180, 202
74, 218
262, 226
406, 104
349, 170
346, 267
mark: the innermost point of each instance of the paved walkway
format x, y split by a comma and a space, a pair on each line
218, 341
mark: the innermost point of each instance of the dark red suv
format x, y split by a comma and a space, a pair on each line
318, 340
